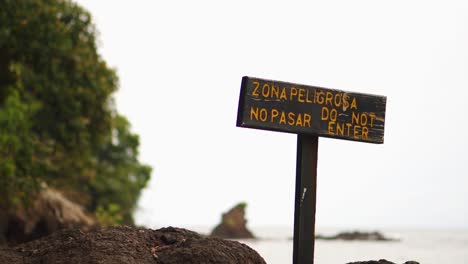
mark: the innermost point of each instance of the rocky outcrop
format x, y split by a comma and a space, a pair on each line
233, 224
357, 235
130, 245
50, 211
382, 261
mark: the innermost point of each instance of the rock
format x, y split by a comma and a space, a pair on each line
233, 224
130, 245
49, 212
357, 235
382, 261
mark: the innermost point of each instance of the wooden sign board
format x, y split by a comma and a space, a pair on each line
302, 109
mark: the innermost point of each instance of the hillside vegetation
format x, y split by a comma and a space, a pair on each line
59, 126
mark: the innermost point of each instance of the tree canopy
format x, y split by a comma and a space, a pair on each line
58, 121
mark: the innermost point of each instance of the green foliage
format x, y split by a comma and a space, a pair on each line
121, 175
242, 205
58, 123
17, 147
109, 216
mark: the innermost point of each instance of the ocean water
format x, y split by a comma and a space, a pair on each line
425, 246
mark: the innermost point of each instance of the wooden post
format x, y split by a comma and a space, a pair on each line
305, 201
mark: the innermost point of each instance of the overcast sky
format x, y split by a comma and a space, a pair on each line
180, 65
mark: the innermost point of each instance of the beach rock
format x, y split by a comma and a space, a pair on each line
382, 261
130, 245
49, 212
233, 224
357, 235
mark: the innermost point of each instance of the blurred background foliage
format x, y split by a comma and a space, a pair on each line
58, 121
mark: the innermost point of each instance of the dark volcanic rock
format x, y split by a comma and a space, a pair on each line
130, 245
357, 235
233, 224
382, 261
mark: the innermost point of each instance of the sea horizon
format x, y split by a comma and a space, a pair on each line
421, 244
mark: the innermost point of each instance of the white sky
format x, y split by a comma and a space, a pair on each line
180, 65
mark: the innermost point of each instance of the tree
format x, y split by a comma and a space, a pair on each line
58, 121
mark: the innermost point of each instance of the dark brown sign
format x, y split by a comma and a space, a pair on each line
302, 109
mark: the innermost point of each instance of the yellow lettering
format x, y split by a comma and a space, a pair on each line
325, 113
319, 97
354, 104
255, 91
345, 102
363, 119
359, 118
291, 116
253, 113
293, 93
274, 91
329, 98
340, 129
301, 97
263, 114
337, 100
333, 115
372, 116
282, 118
266, 90
308, 100
283, 94
274, 114
307, 119
330, 128
299, 120
356, 131
355, 118
365, 133
348, 127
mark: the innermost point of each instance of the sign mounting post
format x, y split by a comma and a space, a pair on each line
310, 112
304, 208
